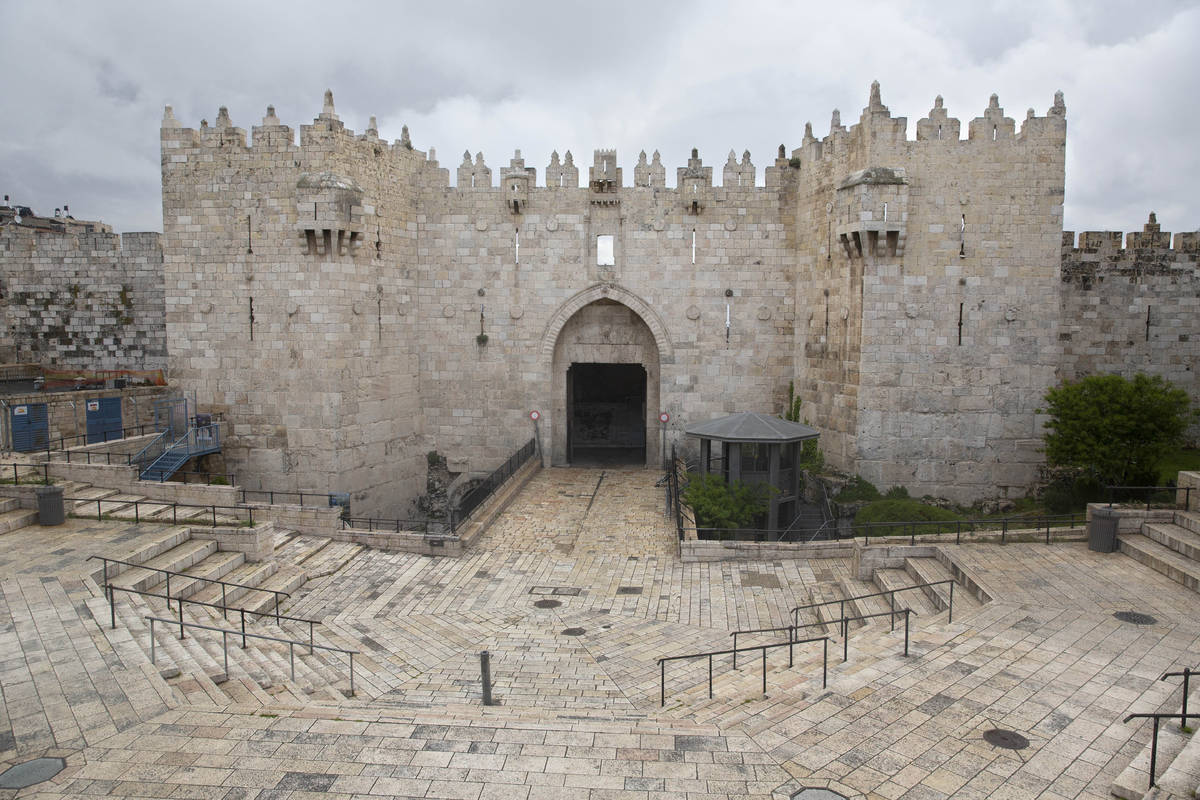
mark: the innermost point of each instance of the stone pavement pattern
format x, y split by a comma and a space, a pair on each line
579, 714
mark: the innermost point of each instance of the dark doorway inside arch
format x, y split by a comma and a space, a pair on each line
606, 414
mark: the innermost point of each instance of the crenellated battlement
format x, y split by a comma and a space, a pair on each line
1148, 251
876, 127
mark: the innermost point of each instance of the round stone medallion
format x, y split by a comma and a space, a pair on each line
816, 793
27, 773
481, 224
447, 311
693, 312
731, 224
552, 224
1006, 739
764, 313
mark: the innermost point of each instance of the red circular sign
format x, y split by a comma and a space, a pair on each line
664, 417
535, 415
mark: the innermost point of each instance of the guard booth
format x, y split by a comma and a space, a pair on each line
30, 426
104, 419
757, 448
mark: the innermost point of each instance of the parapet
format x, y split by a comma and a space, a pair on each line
1147, 251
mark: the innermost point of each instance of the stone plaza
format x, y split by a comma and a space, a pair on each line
576, 591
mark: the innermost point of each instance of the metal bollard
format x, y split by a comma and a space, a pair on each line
485, 676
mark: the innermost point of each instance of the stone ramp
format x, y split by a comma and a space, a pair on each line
64, 685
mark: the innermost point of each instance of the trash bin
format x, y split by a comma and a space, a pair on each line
1102, 530
50, 505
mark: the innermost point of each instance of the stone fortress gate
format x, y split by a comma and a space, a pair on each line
347, 310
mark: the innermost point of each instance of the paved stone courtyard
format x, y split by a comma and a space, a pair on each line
579, 714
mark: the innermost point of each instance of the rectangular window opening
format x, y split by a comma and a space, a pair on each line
893, 242
605, 255
872, 242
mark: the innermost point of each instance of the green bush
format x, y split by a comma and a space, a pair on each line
1116, 429
896, 493
721, 505
1072, 493
858, 490
904, 509
811, 457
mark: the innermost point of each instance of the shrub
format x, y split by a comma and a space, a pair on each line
897, 509
1115, 429
721, 505
858, 490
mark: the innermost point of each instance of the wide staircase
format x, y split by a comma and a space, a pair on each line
1172, 548
873, 614
208, 666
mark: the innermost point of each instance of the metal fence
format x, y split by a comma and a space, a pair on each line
474, 498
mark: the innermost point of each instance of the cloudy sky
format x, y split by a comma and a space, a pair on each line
86, 84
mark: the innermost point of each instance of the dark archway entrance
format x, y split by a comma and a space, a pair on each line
606, 413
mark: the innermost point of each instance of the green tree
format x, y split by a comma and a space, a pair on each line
1115, 430
718, 504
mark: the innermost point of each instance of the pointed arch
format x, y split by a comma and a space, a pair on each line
607, 291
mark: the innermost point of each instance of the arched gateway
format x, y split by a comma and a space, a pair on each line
606, 348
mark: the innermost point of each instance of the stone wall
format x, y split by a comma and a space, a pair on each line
67, 412
1134, 308
91, 300
928, 275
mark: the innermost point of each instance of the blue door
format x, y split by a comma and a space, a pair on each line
30, 427
103, 419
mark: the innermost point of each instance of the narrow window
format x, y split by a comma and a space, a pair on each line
962, 237
605, 256
517, 245
960, 323
994, 133
693, 245
939, 132
885, 212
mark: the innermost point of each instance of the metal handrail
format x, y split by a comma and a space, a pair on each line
271, 493
1183, 716
62, 440
488, 486
911, 528
155, 445
137, 504
950, 618
662, 663
394, 525
842, 622
291, 643
45, 472
169, 572
110, 588
1187, 493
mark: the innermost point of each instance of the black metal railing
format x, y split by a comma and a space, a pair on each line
105, 457
662, 662
1163, 496
388, 524
841, 604
272, 497
474, 498
842, 623
107, 436
225, 634
1183, 716
110, 590
160, 508
210, 478
34, 473
105, 561
910, 528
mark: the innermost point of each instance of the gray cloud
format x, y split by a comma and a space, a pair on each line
87, 83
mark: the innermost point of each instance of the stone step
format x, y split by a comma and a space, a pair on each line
145, 577
1174, 537
1182, 776
1188, 520
152, 545
299, 548
863, 599
330, 559
897, 579
287, 578
17, 518
85, 500
9, 504
1161, 559
199, 576
248, 573
1134, 781
931, 570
